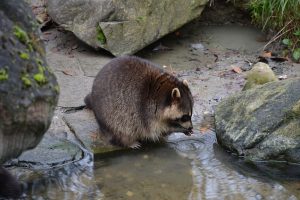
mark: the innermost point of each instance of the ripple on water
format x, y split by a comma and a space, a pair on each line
219, 175
191, 168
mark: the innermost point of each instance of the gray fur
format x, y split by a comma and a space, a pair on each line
132, 101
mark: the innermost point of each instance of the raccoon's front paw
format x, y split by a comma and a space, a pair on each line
135, 145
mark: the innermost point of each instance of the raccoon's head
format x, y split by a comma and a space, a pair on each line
177, 113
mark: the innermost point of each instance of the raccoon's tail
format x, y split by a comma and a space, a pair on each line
87, 101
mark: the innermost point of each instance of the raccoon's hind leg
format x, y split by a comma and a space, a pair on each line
125, 141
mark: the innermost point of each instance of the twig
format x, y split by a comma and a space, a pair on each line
278, 35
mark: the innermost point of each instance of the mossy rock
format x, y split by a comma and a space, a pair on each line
262, 123
260, 74
28, 90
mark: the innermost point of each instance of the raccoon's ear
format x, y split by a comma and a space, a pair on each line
175, 93
185, 82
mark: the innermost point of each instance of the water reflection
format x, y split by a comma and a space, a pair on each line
219, 175
193, 168
72, 181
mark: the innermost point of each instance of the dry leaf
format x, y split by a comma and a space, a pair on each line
69, 72
237, 70
267, 54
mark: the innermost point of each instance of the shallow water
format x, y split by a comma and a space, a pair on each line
153, 173
191, 168
186, 167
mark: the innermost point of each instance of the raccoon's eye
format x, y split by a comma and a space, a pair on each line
185, 118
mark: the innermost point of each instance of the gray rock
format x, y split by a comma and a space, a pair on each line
84, 125
28, 88
262, 123
123, 27
73, 89
51, 151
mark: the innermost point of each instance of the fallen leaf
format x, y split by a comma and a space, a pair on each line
69, 72
267, 54
237, 70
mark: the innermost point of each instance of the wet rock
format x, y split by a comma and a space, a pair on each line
262, 123
260, 74
51, 151
84, 125
73, 89
123, 27
28, 88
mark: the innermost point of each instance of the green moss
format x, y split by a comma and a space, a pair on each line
24, 56
100, 35
20, 34
40, 78
295, 112
38, 61
56, 88
26, 80
141, 19
3, 75
22, 37
41, 68
101, 150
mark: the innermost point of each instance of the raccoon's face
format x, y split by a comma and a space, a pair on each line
177, 116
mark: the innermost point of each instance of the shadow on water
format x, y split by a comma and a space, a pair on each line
280, 171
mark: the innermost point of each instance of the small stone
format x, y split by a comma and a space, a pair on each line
198, 46
129, 193
260, 74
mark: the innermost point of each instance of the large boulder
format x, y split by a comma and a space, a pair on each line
124, 26
28, 88
262, 123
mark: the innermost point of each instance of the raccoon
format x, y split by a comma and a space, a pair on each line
134, 100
